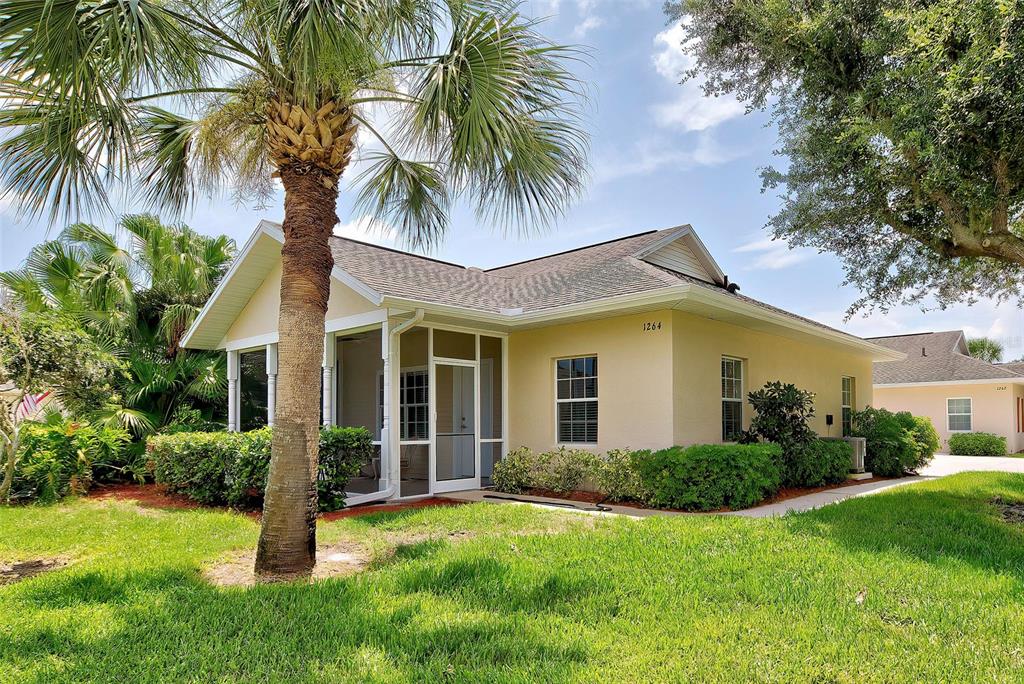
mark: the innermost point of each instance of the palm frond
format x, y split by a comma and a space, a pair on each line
502, 110
410, 196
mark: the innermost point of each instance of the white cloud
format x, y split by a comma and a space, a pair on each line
586, 26
366, 229
650, 155
773, 255
690, 109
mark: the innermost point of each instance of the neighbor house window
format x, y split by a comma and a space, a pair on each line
958, 414
415, 398
732, 398
576, 400
848, 399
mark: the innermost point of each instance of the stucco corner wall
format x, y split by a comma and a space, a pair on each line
259, 316
699, 345
634, 380
993, 407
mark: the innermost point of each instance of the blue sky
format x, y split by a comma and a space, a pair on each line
662, 155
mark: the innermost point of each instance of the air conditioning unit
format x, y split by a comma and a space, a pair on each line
860, 449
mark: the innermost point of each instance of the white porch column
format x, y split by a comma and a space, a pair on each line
271, 382
330, 358
233, 391
385, 414
392, 368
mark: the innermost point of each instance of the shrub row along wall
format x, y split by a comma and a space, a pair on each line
230, 468
701, 477
977, 444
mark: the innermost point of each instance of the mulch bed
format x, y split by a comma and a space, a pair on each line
157, 496
149, 495
783, 494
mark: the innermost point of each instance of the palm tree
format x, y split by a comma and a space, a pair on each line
985, 348
136, 296
458, 98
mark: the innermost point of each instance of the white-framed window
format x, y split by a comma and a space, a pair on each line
849, 389
732, 398
414, 404
576, 400
959, 414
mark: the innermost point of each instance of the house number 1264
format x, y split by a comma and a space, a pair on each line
652, 325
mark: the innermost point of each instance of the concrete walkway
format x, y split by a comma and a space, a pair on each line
941, 465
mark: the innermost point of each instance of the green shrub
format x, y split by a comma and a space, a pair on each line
563, 470
512, 473
230, 468
925, 438
818, 463
897, 443
977, 444
618, 478
196, 464
781, 415
62, 456
711, 476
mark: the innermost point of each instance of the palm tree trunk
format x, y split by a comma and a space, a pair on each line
287, 547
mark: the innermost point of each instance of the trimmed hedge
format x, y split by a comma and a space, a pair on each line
561, 470
977, 444
897, 443
230, 468
818, 463
706, 477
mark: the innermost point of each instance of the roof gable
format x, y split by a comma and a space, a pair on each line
681, 251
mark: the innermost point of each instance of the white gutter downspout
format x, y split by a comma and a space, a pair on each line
389, 446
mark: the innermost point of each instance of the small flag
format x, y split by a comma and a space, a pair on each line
30, 405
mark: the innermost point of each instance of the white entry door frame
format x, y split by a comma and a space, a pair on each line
457, 401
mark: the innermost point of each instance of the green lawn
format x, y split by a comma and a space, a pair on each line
521, 594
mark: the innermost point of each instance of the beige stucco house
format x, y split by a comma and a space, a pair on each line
638, 342
939, 379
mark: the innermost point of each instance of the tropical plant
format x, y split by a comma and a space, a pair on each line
134, 292
986, 349
461, 98
902, 126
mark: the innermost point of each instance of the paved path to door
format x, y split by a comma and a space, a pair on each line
940, 466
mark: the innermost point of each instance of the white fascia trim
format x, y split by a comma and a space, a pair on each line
249, 342
264, 228
879, 353
941, 383
360, 320
353, 283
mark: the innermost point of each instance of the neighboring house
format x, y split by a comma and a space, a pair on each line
638, 342
939, 379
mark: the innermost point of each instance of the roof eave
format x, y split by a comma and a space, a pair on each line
938, 383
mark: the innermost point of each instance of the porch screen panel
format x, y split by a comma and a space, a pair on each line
492, 447
413, 419
454, 345
360, 399
253, 389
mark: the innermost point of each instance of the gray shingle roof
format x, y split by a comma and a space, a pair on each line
935, 357
586, 274
580, 275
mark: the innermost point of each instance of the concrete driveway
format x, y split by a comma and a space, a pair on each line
944, 464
